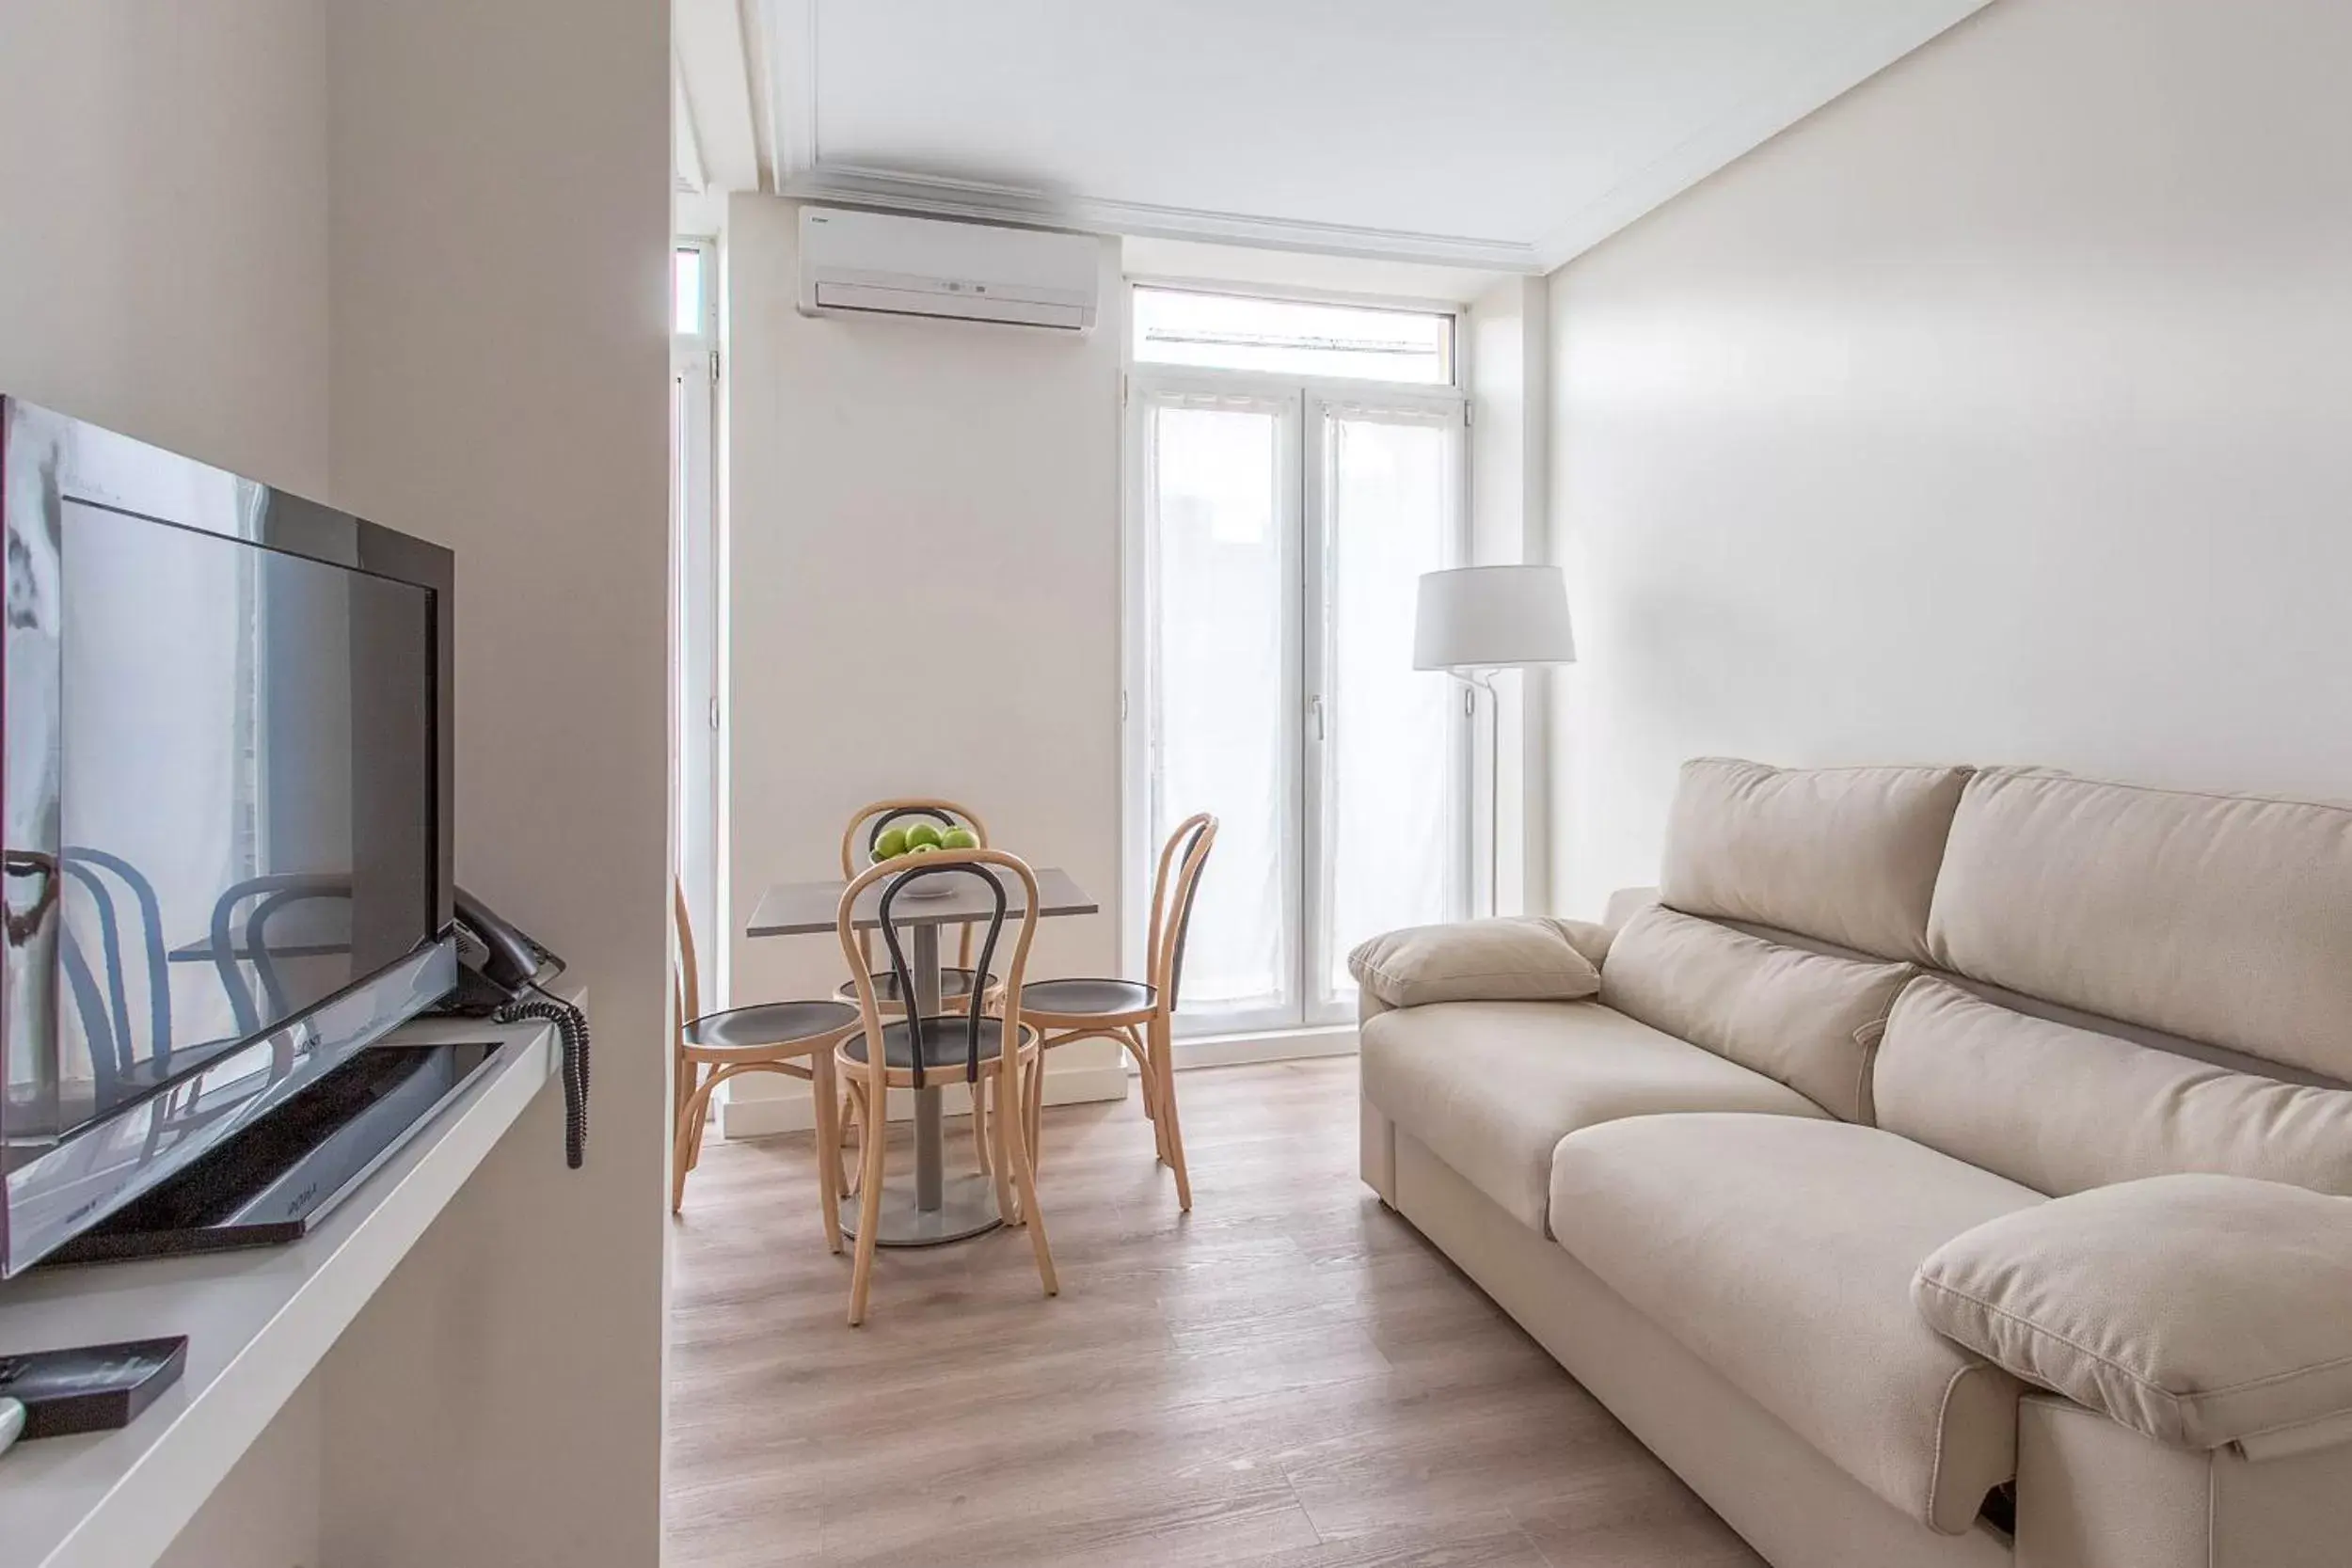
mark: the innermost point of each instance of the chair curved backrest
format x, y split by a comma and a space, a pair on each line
685, 982
230, 949
79, 862
990, 867
1174, 886
872, 820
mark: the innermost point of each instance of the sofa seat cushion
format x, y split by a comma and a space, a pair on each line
1491, 1088
1781, 1252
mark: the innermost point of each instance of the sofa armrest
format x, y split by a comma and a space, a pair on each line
2205, 1311
1528, 958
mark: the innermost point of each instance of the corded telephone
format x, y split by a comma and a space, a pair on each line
502, 976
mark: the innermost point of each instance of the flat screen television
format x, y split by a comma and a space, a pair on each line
226, 811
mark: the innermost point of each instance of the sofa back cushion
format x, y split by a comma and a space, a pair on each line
2062, 1110
1805, 1020
1844, 855
2226, 919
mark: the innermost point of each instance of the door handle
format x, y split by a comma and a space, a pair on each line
1314, 713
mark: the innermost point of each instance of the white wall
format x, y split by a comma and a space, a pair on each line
1510, 437
267, 1513
925, 538
1997, 413
500, 241
446, 227
163, 242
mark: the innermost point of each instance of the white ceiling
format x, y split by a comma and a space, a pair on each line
1500, 134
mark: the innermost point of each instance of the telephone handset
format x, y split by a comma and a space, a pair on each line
502, 976
507, 961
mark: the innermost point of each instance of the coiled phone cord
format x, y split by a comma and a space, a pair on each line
571, 1027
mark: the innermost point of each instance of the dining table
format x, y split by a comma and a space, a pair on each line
932, 1207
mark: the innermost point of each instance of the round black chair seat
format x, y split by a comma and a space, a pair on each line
769, 1024
947, 1043
1087, 996
953, 983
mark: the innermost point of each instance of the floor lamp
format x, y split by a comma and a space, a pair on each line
1475, 620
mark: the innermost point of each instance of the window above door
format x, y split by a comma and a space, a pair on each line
1307, 338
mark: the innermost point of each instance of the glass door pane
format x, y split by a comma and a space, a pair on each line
1388, 831
1220, 506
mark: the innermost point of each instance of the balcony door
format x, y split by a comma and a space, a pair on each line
1279, 526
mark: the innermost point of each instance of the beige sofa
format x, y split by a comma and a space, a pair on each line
1847, 1169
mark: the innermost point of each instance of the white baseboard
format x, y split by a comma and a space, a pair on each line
1274, 1045
797, 1112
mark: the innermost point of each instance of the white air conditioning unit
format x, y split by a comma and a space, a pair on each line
852, 259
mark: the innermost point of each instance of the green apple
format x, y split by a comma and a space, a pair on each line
958, 838
922, 849
891, 844
923, 835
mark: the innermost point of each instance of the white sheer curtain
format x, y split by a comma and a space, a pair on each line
1392, 828
1222, 622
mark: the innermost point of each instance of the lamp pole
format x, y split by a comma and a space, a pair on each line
1474, 682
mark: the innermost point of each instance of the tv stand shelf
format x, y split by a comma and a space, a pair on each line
258, 1323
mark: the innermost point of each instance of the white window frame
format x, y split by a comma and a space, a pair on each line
698, 626
1304, 401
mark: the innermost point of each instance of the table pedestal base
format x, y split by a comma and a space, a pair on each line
967, 1208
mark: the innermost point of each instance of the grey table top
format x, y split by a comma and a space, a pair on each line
807, 908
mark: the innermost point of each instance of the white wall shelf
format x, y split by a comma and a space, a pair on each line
258, 1323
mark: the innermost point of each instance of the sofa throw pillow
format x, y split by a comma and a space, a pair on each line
2202, 1310
1522, 959
1807, 1020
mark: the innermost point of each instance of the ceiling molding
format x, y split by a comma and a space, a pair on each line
1810, 86
792, 89
715, 98
796, 167
996, 203
689, 175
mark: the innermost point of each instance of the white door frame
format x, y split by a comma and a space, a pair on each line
698, 639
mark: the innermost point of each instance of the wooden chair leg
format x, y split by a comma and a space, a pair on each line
869, 1215
1000, 1130
1033, 1109
854, 1164
1017, 1155
702, 1127
979, 1126
1148, 1078
827, 1091
1172, 1128
686, 1146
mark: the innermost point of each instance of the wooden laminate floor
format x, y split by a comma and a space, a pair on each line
1289, 1376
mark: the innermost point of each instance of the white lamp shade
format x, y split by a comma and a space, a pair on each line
1490, 617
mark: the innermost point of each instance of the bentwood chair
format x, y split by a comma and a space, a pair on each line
989, 1052
1140, 1015
794, 1038
857, 852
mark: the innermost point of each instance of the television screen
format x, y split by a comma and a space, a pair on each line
224, 800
